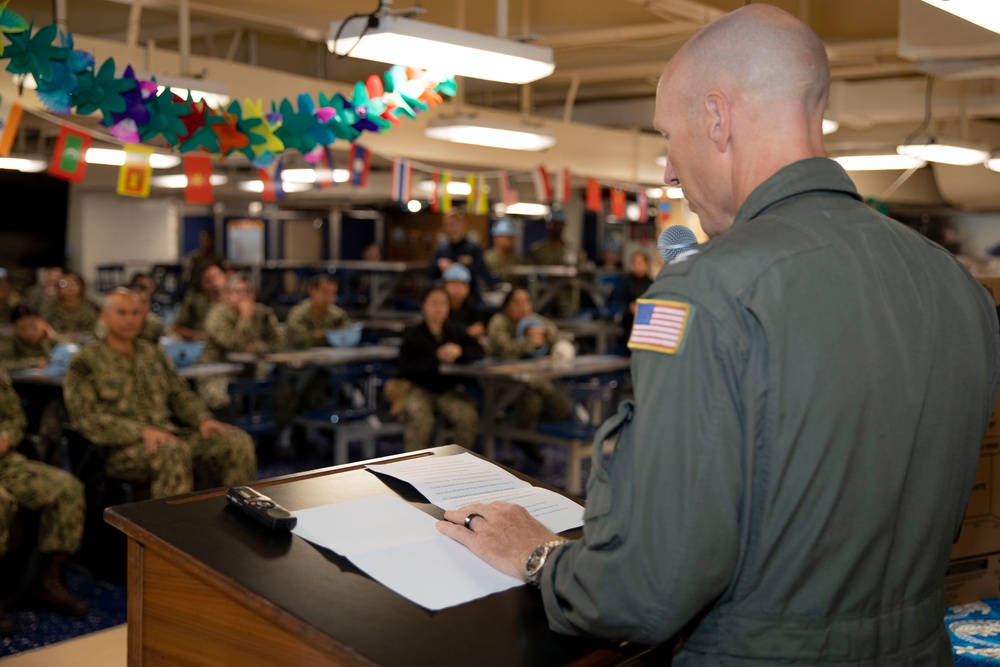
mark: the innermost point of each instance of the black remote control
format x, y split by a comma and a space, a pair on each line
261, 508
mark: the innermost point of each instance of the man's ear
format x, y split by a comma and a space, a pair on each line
720, 119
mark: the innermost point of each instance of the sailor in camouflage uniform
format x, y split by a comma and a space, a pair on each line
31, 343
309, 320
238, 324
71, 312
125, 394
153, 328
54, 493
198, 300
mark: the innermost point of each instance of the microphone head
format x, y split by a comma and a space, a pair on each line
674, 240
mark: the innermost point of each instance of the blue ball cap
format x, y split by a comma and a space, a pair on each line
503, 227
457, 272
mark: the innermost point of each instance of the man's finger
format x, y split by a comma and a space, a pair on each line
456, 532
458, 516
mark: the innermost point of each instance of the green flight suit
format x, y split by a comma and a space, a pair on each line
227, 332
112, 397
302, 323
540, 400
791, 477
54, 493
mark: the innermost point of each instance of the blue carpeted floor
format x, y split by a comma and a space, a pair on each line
37, 628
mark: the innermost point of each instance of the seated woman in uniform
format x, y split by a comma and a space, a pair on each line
426, 345
71, 312
31, 343
457, 281
517, 332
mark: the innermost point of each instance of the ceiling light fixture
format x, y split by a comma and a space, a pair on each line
946, 151
830, 126
177, 181
526, 209
491, 133
981, 12
675, 193
23, 164
257, 186
455, 188
310, 175
879, 162
397, 40
216, 95
115, 157
993, 163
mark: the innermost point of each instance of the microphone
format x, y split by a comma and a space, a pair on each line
674, 240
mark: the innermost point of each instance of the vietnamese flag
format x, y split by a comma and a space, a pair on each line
135, 174
198, 169
68, 159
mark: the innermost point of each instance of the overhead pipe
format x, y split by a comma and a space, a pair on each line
184, 34
134, 23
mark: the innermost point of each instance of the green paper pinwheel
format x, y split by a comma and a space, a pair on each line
246, 125
204, 137
404, 92
301, 129
34, 55
101, 92
264, 145
57, 94
165, 118
10, 22
336, 122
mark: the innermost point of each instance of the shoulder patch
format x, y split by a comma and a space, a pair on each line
659, 326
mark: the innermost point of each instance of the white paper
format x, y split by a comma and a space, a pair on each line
451, 482
397, 545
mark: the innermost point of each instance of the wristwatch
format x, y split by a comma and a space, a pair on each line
536, 561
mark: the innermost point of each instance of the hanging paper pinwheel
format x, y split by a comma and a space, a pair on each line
405, 93
57, 93
125, 125
165, 118
333, 108
262, 152
204, 137
194, 119
376, 90
102, 92
10, 22
34, 55
301, 129
430, 97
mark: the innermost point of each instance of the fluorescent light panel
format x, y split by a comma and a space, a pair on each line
455, 188
946, 151
176, 181
879, 162
525, 208
993, 164
830, 126
115, 157
436, 48
493, 134
983, 13
287, 186
23, 164
309, 175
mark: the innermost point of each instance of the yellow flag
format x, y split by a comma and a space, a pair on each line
134, 175
443, 192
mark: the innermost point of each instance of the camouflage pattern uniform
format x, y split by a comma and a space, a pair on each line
16, 355
112, 397
194, 310
81, 320
226, 332
540, 400
302, 322
38, 298
153, 329
7, 309
55, 493
455, 405
498, 264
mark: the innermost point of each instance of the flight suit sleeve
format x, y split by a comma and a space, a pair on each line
504, 344
87, 408
661, 527
12, 418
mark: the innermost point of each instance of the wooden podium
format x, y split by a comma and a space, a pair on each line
207, 586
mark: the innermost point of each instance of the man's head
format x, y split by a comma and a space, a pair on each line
555, 224
52, 276
213, 280
323, 291
503, 235
206, 242
144, 298
457, 281
517, 305
239, 288
371, 253
639, 264
72, 286
28, 324
742, 99
454, 225
143, 280
122, 315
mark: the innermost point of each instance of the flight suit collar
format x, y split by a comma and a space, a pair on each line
810, 175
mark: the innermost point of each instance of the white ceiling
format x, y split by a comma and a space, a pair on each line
609, 54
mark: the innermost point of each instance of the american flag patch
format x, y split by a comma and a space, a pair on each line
659, 325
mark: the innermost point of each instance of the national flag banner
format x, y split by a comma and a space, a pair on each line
68, 159
665, 207
435, 190
543, 186
643, 203
618, 202
10, 120
135, 173
444, 197
402, 180
508, 190
271, 179
562, 186
659, 326
361, 164
198, 170
594, 201
480, 198
324, 169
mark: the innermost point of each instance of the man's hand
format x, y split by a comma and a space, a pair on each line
154, 437
537, 335
210, 427
4, 445
449, 353
245, 308
443, 264
43, 362
504, 536
477, 330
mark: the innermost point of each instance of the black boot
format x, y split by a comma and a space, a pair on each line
6, 625
50, 589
